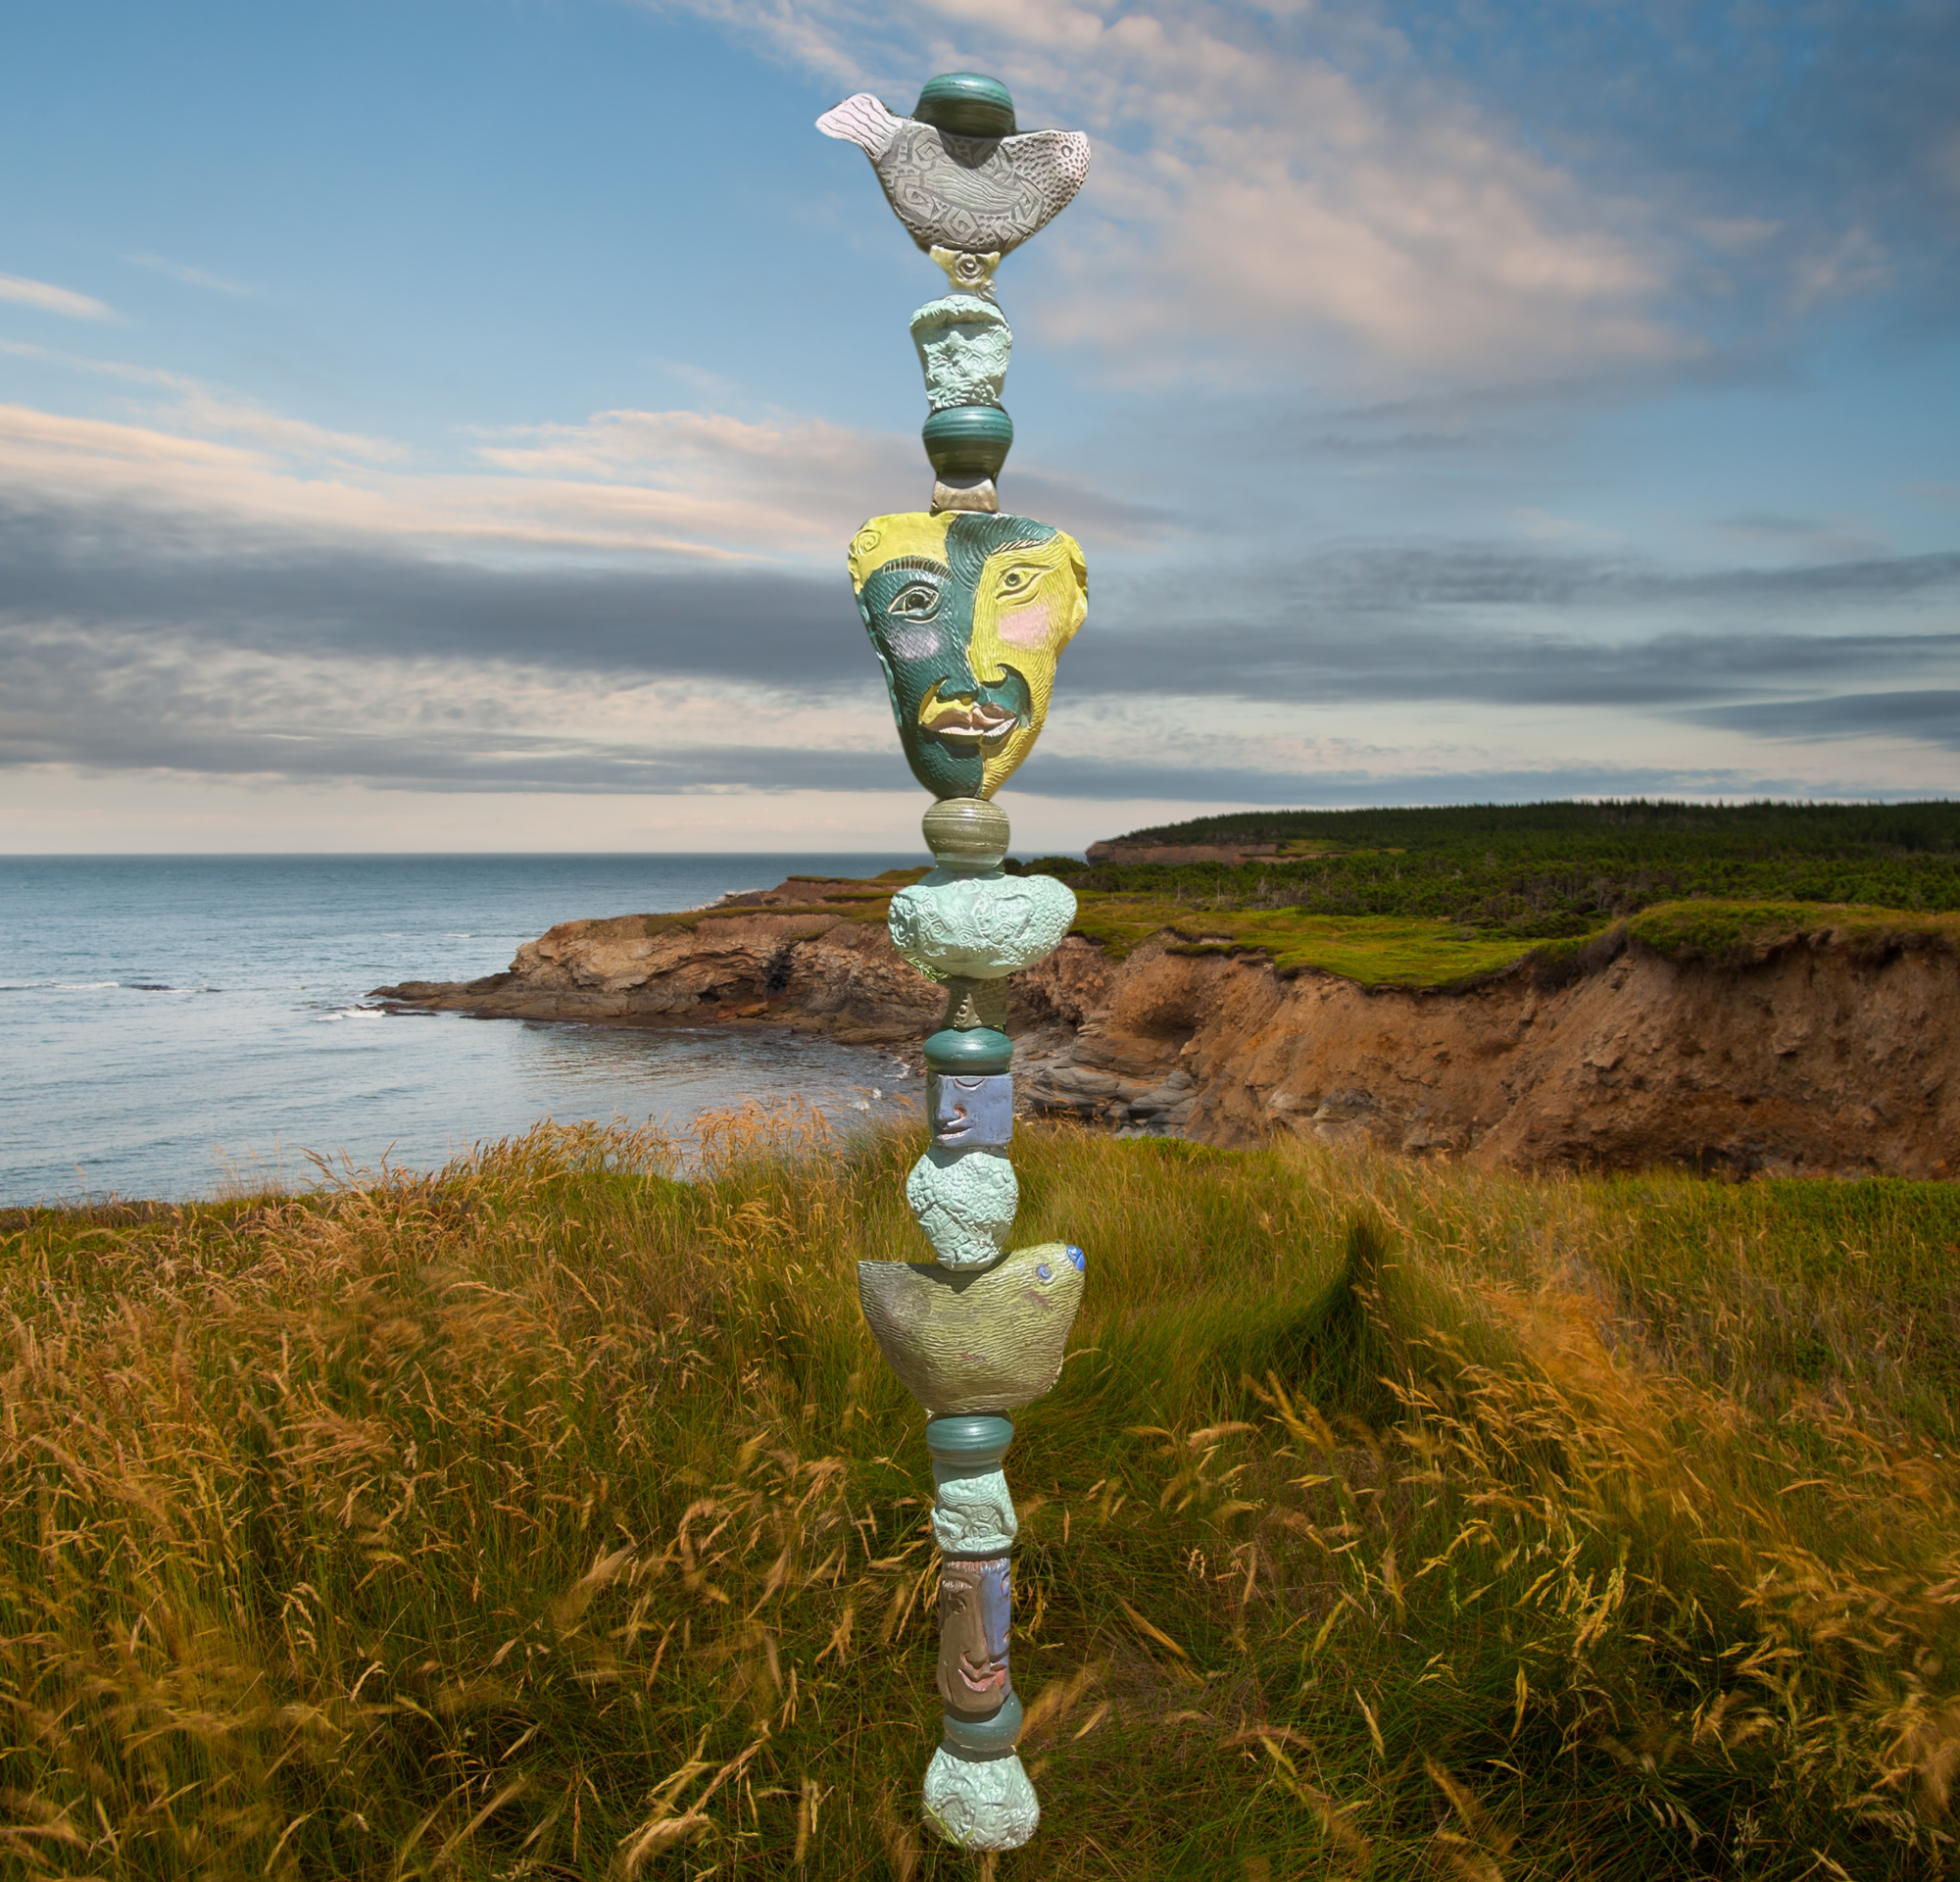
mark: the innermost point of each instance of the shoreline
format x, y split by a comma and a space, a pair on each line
1816, 1054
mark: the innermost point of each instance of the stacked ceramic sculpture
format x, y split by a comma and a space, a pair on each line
968, 611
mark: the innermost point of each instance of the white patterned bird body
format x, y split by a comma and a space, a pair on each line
971, 195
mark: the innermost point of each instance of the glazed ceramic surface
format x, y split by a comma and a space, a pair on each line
968, 615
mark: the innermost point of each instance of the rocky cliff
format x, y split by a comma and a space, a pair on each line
1821, 1050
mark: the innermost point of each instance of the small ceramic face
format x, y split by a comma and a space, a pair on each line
967, 1111
968, 613
975, 1601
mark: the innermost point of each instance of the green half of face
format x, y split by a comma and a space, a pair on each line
918, 609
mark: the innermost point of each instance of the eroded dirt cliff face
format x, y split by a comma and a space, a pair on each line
1814, 1060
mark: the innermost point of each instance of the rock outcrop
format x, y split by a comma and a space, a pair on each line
1817, 1059
817, 969
1816, 1056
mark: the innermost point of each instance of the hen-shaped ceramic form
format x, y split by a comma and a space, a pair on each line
978, 195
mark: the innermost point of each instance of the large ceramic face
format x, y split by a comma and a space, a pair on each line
968, 613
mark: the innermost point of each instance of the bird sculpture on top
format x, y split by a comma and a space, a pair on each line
964, 182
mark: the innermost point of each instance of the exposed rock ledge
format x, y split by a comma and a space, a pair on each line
1814, 1057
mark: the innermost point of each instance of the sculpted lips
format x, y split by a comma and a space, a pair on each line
982, 1679
976, 718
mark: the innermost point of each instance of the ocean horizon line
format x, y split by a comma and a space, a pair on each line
384, 855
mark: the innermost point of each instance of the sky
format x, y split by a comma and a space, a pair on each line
438, 425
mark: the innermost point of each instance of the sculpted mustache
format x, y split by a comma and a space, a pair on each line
976, 717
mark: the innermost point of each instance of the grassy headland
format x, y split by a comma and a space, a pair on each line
1434, 897
551, 1517
1541, 870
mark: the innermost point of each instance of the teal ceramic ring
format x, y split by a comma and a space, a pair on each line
968, 440
977, 1050
985, 1737
968, 1437
969, 104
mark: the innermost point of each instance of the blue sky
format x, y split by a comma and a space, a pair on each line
437, 425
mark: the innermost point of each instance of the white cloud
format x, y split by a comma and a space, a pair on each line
188, 275
683, 483
49, 299
699, 486
1248, 188
198, 407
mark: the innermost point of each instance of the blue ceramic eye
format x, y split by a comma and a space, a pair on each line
1045, 1272
1080, 1259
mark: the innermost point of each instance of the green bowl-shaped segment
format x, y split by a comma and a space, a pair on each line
968, 440
973, 1053
969, 104
968, 1437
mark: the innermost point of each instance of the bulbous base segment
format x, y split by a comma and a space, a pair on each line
980, 1802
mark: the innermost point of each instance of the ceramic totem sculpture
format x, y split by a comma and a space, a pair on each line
968, 611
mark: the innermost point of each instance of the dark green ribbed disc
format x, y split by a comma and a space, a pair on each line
968, 104
968, 440
981, 1738
976, 1051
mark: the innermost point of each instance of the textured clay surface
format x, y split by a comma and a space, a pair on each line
989, 1342
980, 1803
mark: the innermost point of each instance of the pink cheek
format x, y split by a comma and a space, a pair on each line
1031, 628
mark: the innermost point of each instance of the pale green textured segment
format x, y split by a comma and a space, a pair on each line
980, 1803
963, 346
985, 1342
966, 1202
982, 926
972, 1513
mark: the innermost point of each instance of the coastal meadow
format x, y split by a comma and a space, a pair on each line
554, 1516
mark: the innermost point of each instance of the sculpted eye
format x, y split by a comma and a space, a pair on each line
1017, 581
918, 602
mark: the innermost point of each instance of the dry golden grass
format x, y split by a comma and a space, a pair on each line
552, 1517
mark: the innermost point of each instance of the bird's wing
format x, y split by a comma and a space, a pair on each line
863, 120
1055, 162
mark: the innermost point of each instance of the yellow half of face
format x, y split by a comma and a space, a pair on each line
1030, 602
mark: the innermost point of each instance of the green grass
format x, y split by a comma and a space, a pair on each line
1380, 950
1399, 951
1543, 871
551, 1517
1746, 931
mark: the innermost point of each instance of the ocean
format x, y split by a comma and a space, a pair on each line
176, 1028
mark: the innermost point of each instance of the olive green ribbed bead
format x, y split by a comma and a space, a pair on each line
967, 834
